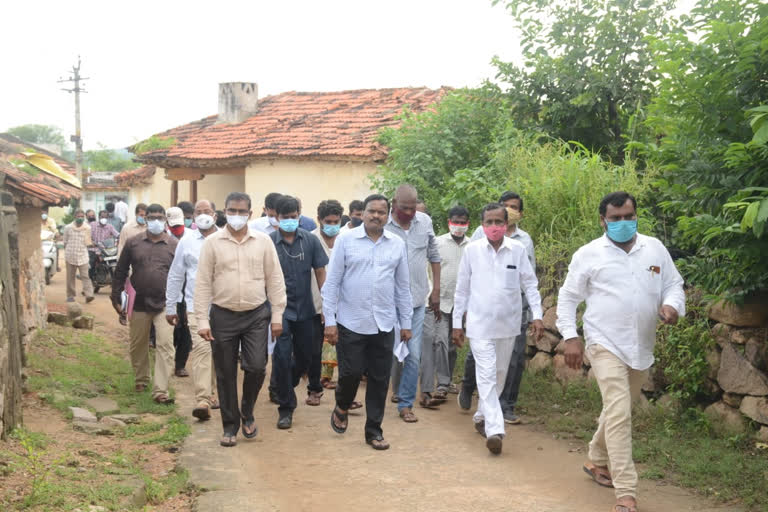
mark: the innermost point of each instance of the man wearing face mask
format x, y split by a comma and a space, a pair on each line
438, 354
514, 205
188, 210
48, 224
100, 231
180, 289
182, 339
90, 216
134, 227
175, 218
112, 218
147, 259
77, 239
492, 273
267, 223
237, 274
415, 229
300, 255
628, 282
355, 216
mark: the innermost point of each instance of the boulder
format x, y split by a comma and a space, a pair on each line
722, 415
540, 361
529, 340
756, 352
92, 428
83, 322
563, 373
737, 375
721, 333
547, 342
762, 434
548, 302
58, 318
743, 336
668, 401
102, 404
745, 315
112, 422
74, 310
713, 360
732, 399
560, 348
530, 351
755, 408
83, 415
650, 385
550, 319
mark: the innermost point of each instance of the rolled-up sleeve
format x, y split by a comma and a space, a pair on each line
433, 253
403, 299
572, 293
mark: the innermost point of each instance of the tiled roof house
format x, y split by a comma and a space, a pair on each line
315, 145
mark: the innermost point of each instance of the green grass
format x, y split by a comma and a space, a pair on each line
682, 448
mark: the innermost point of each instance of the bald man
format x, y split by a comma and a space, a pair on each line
184, 270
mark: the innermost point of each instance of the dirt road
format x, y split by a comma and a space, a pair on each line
437, 464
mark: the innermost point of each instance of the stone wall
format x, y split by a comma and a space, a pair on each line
738, 376
31, 270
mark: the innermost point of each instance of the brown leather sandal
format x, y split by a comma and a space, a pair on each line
378, 443
599, 474
625, 504
408, 416
163, 399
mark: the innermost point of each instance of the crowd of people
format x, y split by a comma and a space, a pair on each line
376, 296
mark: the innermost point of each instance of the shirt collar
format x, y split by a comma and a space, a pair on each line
414, 220
639, 242
145, 236
279, 235
228, 234
505, 242
359, 232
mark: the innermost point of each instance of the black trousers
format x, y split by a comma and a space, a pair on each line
291, 359
369, 354
235, 331
315, 366
182, 339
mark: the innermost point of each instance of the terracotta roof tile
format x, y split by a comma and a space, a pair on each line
141, 176
331, 125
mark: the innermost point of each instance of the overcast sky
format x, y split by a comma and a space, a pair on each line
156, 64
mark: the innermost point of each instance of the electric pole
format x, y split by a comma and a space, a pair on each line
77, 137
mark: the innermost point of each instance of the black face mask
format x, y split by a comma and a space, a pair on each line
356, 221
91, 219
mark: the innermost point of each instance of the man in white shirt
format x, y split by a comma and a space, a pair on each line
121, 210
181, 287
492, 273
268, 222
438, 354
628, 281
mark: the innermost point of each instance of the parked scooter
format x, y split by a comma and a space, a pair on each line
104, 264
50, 255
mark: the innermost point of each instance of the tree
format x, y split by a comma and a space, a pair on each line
39, 134
589, 69
107, 160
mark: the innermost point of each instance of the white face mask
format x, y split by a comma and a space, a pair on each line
103, 221
155, 226
204, 221
237, 221
273, 221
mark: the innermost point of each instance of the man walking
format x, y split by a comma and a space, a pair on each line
415, 229
365, 295
112, 218
628, 281
438, 354
492, 273
514, 205
100, 231
268, 222
237, 274
301, 256
134, 227
147, 259
355, 216
77, 239
181, 287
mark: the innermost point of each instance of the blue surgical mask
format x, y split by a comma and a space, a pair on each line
156, 226
140, 220
289, 225
621, 231
187, 223
331, 229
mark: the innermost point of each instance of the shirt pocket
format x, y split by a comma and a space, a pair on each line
511, 278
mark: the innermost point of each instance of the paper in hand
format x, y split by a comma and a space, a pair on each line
401, 351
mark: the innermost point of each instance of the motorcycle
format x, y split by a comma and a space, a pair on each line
104, 265
50, 255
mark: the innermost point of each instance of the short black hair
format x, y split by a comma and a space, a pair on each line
186, 207
237, 196
493, 206
140, 206
155, 208
506, 196
221, 218
103, 211
458, 211
329, 207
356, 206
110, 207
616, 199
375, 197
270, 201
287, 204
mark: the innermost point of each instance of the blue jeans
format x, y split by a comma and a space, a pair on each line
291, 359
405, 377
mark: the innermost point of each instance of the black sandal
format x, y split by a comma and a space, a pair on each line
228, 440
248, 425
378, 443
341, 417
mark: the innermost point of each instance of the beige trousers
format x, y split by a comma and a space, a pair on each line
611, 445
140, 324
201, 361
72, 271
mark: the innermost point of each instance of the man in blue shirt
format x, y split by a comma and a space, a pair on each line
366, 293
299, 253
